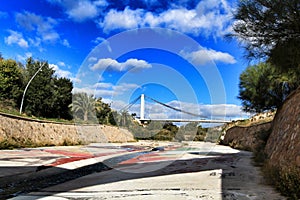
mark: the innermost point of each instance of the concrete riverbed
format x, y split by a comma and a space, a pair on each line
188, 170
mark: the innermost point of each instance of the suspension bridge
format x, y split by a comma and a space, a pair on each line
197, 118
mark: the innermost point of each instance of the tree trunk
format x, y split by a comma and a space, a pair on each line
85, 117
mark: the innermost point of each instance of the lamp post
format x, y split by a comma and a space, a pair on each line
41, 66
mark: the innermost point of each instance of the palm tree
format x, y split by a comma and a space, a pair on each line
83, 104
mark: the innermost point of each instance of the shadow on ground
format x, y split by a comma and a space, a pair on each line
234, 178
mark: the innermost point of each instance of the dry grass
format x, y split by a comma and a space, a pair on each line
285, 180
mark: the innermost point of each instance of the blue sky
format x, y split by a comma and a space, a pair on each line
173, 51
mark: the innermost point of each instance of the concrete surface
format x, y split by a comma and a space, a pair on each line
23, 170
191, 170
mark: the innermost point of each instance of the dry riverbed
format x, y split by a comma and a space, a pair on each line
194, 170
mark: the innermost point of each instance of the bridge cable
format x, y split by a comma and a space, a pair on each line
128, 106
176, 109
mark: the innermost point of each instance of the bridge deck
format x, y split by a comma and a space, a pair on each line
185, 120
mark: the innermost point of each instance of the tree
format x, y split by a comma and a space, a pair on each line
263, 87
112, 117
125, 119
47, 95
154, 125
103, 112
11, 81
168, 132
170, 127
38, 96
201, 134
83, 106
89, 108
270, 29
187, 131
62, 97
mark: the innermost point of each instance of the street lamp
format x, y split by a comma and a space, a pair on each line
41, 66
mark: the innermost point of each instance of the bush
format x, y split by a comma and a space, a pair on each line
285, 180
259, 153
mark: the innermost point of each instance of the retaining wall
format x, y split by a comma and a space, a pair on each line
246, 138
27, 132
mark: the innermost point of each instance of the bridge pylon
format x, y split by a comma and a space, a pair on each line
142, 109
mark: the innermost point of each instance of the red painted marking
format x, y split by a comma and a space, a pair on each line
66, 160
147, 158
68, 153
75, 156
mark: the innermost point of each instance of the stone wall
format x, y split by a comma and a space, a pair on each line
25, 132
247, 138
280, 146
283, 146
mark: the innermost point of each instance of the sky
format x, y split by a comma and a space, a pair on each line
173, 51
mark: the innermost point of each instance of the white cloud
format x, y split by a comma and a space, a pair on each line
103, 85
180, 19
95, 92
204, 56
75, 80
66, 43
99, 40
84, 10
35, 42
209, 18
42, 26
59, 72
92, 59
126, 19
111, 64
102, 3
123, 87
116, 104
62, 64
80, 11
16, 38
22, 59
106, 90
50, 37
63, 73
